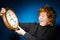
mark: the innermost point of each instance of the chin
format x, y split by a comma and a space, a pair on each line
42, 25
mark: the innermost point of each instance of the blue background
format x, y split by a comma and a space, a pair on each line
26, 11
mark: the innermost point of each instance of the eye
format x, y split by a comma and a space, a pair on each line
42, 16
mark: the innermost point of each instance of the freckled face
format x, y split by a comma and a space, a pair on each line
43, 19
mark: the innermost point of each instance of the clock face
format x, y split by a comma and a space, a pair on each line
11, 18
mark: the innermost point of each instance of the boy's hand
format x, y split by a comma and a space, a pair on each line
20, 31
3, 10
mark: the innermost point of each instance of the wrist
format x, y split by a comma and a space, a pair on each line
23, 33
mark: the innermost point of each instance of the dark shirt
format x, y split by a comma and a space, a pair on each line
37, 32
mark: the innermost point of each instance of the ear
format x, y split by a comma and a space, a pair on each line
50, 19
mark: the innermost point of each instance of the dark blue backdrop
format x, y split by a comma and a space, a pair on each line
26, 11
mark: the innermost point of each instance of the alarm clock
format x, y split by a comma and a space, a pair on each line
10, 19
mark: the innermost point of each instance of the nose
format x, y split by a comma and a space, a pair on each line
40, 18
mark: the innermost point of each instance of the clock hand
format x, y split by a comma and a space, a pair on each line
13, 20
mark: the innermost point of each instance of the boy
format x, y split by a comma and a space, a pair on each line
42, 31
